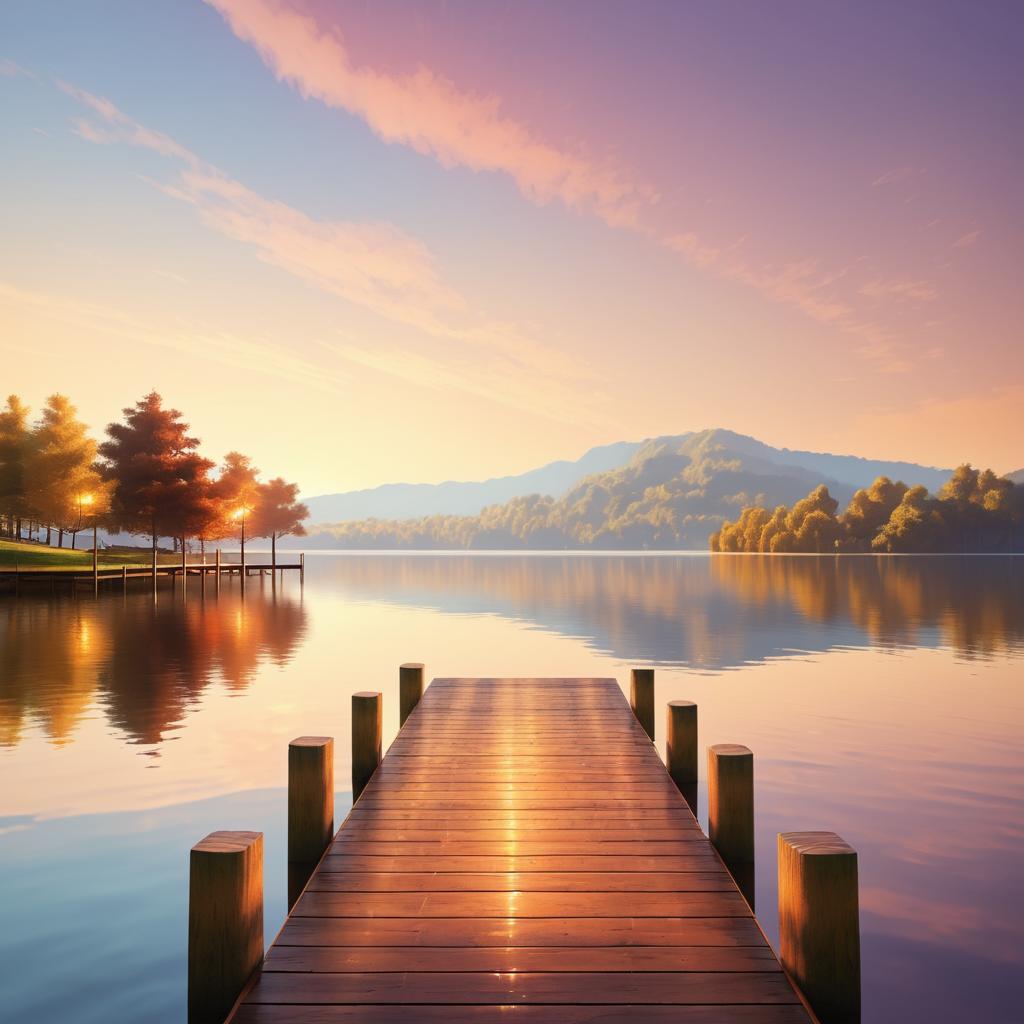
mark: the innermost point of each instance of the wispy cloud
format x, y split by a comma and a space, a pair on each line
921, 291
966, 241
8, 69
119, 127
431, 114
896, 174
373, 265
504, 381
185, 337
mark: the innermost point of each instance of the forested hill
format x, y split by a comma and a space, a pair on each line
465, 497
673, 493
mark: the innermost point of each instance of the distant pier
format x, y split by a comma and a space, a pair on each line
33, 580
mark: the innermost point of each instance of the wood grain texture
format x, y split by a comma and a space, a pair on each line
521, 854
225, 921
819, 922
367, 720
310, 798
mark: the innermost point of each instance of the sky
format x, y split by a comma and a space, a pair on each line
376, 240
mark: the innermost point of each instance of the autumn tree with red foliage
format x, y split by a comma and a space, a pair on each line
278, 513
161, 482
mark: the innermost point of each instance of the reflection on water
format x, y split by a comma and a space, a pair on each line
721, 612
882, 698
144, 661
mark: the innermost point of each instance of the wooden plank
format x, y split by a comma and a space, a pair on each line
527, 881
521, 904
585, 845
339, 859
525, 933
503, 959
554, 988
521, 853
418, 832
781, 1013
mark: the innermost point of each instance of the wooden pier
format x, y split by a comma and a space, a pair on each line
520, 853
14, 580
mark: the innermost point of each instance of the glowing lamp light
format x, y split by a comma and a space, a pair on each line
86, 499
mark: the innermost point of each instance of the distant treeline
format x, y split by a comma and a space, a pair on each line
147, 478
974, 511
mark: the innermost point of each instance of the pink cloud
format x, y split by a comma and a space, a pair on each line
374, 265
428, 113
921, 291
966, 241
8, 69
432, 115
119, 127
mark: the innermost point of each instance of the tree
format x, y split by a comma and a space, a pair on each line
61, 470
14, 438
916, 524
161, 487
278, 513
235, 494
869, 510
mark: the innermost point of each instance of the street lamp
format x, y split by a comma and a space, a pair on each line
86, 500
83, 500
239, 513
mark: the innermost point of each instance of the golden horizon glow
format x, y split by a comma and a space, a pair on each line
463, 280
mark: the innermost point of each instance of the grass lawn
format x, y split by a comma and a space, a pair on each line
36, 556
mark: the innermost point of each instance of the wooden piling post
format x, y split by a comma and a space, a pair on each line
302, 567
819, 927
124, 578
366, 738
410, 689
731, 810
217, 560
641, 697
681, 747
310, 797
225, 921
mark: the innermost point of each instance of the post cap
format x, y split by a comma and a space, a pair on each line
816, 844
730, 750
227, 842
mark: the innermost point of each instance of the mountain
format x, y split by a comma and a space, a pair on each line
468, 498
670, 492
1017, 477
848, 469
405, 501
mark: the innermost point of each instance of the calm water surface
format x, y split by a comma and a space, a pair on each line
883, 699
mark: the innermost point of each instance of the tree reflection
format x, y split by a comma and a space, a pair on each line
718, 612
144, 663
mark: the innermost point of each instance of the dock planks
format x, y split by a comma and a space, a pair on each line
521, 854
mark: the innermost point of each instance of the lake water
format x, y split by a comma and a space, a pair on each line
883, 699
